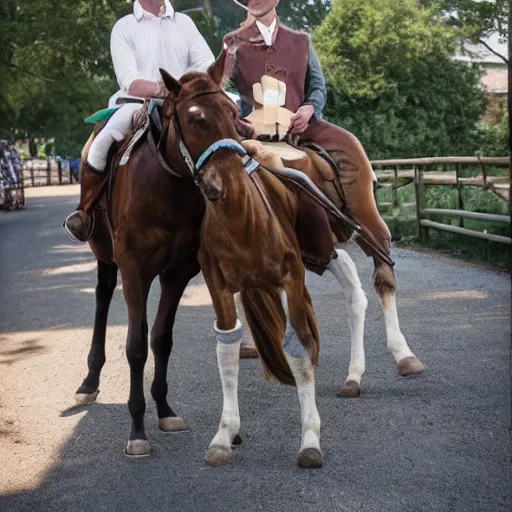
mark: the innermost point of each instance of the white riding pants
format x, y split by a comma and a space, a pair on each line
115, 130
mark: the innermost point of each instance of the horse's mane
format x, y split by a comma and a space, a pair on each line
191, 75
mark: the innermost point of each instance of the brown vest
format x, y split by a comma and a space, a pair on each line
249, 58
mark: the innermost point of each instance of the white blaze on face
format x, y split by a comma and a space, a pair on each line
195, 113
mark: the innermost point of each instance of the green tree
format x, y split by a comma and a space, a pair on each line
56, 67
393, 82
476, 20
303, 15
298, 14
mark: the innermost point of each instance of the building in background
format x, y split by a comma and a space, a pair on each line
495, 74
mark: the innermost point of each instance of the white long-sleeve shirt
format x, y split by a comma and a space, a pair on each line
141, 43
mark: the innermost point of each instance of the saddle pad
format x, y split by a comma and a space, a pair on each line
100, 116
284, 150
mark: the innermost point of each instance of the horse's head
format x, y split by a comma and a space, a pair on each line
199, 113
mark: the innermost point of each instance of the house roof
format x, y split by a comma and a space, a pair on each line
479, 53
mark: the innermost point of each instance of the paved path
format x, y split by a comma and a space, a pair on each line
436, 442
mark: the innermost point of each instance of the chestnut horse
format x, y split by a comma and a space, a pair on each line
249, 245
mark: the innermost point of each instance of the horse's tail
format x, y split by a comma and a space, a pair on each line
267, 322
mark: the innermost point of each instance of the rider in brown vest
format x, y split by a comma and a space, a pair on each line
264, 46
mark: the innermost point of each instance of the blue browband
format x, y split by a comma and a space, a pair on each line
250, 166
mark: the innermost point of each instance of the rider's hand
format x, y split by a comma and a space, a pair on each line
161, 90
300, 120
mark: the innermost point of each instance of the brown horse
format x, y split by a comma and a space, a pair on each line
248, 245
152, 230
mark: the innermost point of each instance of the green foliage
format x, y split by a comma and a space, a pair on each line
303, 15
392, 80
56, 67
493, 139
475, 20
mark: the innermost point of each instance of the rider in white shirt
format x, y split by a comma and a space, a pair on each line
153, 37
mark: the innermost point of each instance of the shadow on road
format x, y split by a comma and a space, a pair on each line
26, 348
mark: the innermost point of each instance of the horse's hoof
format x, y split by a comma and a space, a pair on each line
137, 448
172, 424
310, 458
248, 352
218, 456
237, 440
409, 366
351, 389
86, 398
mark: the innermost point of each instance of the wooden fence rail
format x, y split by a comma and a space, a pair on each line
400, 172
394, 173
40, 173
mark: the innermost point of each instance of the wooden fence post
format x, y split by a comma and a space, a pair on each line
59, 167
48, 172
460, 204
418, 191
394, 190
32, 173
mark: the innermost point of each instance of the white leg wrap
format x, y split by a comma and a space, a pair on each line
115, 130
228, 356
230, 336
304, 374
344, 270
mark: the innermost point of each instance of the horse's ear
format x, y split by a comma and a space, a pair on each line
173, 86
216, 70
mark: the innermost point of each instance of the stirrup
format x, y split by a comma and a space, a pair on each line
89, 234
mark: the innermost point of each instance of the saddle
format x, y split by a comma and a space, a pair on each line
153, 124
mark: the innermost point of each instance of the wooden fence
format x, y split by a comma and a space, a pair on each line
398, 173
40, 173
422, 172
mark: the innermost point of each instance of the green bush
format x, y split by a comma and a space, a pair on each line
393, 82
493, 138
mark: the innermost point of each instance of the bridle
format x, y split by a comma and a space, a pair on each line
197, 169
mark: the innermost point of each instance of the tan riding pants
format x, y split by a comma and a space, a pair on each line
356, 178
